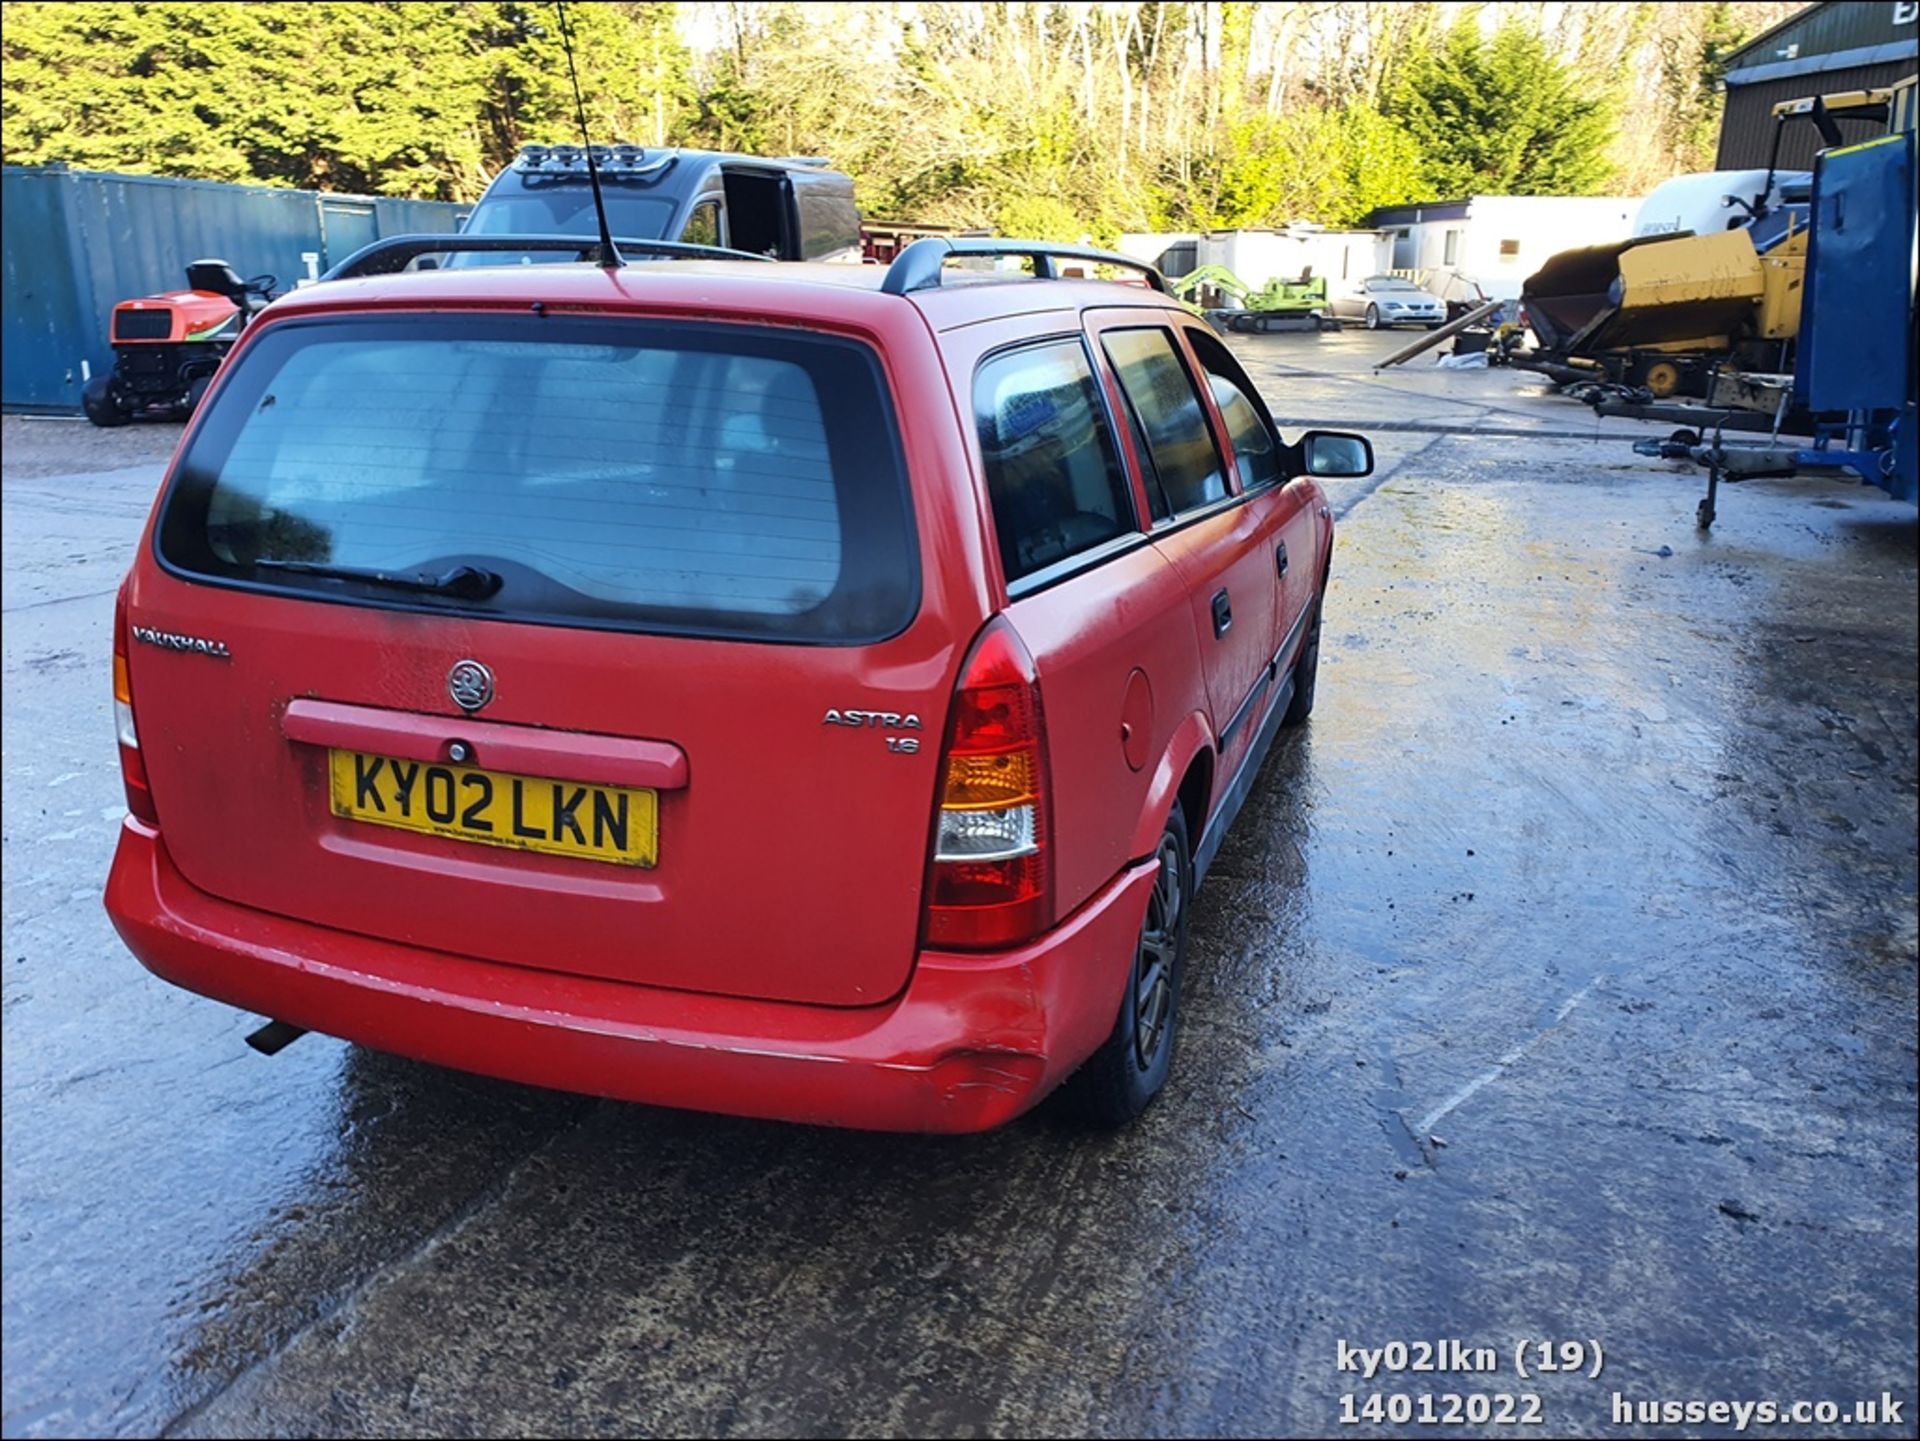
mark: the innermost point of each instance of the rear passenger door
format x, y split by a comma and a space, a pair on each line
1101, 610
1220, 541
1285, 504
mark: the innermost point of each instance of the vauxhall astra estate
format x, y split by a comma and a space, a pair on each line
799, 691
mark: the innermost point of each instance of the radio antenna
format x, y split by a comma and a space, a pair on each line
609, 257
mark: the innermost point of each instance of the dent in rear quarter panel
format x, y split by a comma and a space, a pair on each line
1087, 635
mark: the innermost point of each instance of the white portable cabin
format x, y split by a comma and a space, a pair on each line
1344, 257
1496, 241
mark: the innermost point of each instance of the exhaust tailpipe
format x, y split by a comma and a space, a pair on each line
275, 1037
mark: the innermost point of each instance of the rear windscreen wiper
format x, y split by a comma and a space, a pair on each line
463, 582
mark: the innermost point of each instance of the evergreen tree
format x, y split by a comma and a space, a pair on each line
1501, 116
426, 100
1050, 118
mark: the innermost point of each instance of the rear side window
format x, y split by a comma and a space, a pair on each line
630, 473
1256, 458
1186, 462
703, 226
1052, 471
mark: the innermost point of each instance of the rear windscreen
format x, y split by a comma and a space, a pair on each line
623, 472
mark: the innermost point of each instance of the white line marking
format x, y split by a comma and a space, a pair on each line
1499, 1067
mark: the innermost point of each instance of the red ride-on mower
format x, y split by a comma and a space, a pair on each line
167, 347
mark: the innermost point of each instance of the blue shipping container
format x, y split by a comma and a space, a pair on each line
77, 242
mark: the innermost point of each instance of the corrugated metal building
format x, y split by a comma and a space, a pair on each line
1834, 46
74, 243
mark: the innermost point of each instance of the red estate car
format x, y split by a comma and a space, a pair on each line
800, 691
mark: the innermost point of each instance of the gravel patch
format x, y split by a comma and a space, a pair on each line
33, 446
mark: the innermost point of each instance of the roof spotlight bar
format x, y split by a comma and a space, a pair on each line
623, 160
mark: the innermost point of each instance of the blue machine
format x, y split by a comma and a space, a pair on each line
1857, 320
1854, 368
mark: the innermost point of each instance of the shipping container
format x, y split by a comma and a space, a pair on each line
76, 242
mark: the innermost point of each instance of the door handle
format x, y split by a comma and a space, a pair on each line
1280, 557
1222, 614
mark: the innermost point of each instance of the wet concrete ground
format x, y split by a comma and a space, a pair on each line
1558, 982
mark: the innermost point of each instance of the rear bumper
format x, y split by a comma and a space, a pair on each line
971, 1043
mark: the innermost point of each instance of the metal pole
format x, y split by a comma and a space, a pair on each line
1434, 337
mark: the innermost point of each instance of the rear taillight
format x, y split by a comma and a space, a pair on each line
990, 883
133, 770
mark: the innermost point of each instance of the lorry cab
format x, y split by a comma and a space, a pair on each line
787, 209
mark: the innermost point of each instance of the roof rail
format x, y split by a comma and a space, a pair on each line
918, 267
384, 257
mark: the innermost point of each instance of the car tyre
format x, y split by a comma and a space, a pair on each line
1373, 317
1121, 1079
102, 405
197, 392
1306, 670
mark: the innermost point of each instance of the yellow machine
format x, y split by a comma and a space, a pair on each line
1661, 311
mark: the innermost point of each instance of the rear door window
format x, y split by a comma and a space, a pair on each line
1186, 462
626, 473
1052, 471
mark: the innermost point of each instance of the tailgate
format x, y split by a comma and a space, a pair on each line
690, 739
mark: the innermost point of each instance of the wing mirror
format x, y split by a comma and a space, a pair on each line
1336, 454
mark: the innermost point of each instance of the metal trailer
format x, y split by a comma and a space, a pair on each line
1854, 370
1736, 400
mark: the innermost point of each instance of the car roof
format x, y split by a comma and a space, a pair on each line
789, 287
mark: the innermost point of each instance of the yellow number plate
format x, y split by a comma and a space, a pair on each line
529, 813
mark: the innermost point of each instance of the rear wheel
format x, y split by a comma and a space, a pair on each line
1306, 670
1373, 317
1662, 377
102, 404
1120, 1080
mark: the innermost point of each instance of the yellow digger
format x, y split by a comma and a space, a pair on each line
1665, 311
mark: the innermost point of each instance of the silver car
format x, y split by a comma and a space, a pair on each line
1388, 300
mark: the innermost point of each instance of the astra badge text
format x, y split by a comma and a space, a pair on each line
880, 720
